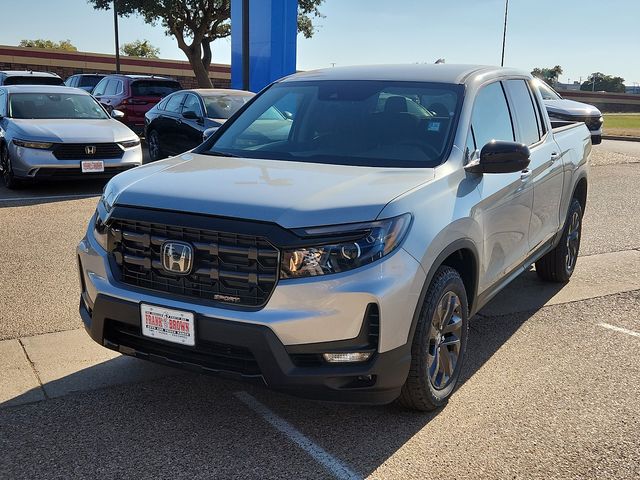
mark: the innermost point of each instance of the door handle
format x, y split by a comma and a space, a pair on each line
525, 174
555, 156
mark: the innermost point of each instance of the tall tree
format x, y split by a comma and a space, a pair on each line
549, 75
140, 48
603, 83
195, 24
41, 43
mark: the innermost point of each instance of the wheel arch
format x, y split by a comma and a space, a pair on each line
580, 192
461, 255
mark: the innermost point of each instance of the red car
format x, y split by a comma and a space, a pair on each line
133, 95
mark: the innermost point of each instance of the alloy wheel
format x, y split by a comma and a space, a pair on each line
573, 242
444, 340
5, 166
154, 146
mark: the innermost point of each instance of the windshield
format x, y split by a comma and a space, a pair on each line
364, 123
154, 88
31, 80
224, 106
547, 92
54, 105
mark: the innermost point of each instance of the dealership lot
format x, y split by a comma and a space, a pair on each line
550, 387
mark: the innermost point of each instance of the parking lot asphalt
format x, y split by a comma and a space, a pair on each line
550, 387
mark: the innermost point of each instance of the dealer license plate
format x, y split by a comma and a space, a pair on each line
166, 324
92, 166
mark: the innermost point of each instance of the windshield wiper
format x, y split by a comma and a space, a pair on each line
217, 153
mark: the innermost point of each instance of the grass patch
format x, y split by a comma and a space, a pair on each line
623, 125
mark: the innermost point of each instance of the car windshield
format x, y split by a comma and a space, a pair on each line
154, 88
54, 105
363, 123
547, 92
32, 80
224, 106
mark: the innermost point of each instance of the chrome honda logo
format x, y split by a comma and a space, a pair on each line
177, 257
90, 150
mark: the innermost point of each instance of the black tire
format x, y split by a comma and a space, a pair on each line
155, 147
425, 389
6, 169
558, 265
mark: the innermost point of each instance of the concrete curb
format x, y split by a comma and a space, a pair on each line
621, 138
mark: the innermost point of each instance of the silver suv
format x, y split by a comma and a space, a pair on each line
333, 239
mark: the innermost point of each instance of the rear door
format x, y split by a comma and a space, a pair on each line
166, 124
546, 161
109, 93
507, 198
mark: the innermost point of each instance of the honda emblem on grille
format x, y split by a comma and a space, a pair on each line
90, 149
177, 257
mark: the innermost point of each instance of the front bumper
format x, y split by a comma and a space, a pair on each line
34, 164
302, 319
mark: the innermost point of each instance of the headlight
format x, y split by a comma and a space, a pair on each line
130, 143
105, 205
100, 230
29, 144
372, 241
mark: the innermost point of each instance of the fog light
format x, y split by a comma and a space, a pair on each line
346, 357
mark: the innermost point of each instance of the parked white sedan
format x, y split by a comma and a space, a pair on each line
51, 132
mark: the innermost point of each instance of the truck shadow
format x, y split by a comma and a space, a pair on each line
195, 427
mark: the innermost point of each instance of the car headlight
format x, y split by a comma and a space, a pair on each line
371, 241
105, 205
30, 144
130, 143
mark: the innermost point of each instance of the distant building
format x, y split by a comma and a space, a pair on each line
575, 86
635, 89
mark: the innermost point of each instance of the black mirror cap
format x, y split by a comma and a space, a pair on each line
499, 156
190, 115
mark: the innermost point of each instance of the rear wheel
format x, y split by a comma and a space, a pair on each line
6, 169
439, 343
559, 263
155, 149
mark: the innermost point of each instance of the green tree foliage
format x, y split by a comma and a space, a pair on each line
195, 24
600, 82
140, 48
549, 75
41, 43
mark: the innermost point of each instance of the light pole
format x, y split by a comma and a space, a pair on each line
115, 29
504, 32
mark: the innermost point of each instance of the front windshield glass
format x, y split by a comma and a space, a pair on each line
54, 105
224, 106
547, 92
364, 123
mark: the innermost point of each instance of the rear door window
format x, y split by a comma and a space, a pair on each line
174, 103
114, 87
491, 119
154, 88
100, 88
524, 113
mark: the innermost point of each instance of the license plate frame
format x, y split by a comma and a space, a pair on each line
92, 166
168, 324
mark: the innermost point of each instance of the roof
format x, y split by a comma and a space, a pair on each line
43, 89
439, 73
27, 73
218, 91
139, 77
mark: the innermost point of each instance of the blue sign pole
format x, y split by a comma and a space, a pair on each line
264, 32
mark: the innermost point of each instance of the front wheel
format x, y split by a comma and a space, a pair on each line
559, 263
155, 149
6, 169
439, 343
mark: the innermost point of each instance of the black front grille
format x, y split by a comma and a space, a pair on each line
228, 268
208, 355
80, 151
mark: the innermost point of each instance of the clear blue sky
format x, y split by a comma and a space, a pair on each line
581, 35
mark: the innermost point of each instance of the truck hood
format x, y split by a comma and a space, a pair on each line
291, 194
72, 131
571, 107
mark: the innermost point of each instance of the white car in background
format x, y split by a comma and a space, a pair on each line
51, 132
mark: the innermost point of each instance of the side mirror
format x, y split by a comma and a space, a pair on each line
501, 157
190, 115
208, 132
117, 114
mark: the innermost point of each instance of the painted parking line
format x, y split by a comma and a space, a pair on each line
320, 455
49, 197
619, 329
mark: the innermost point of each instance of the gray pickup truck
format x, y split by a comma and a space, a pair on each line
334, 237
